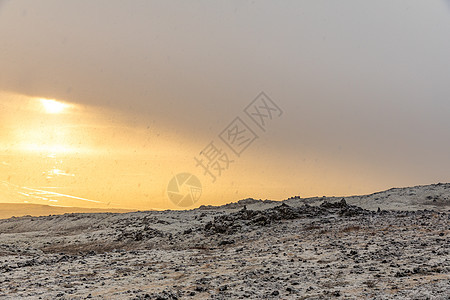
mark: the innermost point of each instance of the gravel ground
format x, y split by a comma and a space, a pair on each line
255, 250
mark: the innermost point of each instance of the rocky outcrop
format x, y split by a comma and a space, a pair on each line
233, 222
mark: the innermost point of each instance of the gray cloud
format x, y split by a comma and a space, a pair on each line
364, 82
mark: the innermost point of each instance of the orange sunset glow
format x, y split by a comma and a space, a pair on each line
61, 154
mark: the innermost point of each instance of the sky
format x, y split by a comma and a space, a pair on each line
363, 88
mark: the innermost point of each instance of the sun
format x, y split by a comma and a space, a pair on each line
53, 106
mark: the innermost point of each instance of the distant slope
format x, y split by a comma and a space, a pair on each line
8, 210
433, 196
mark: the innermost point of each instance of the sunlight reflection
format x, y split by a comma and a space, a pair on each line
57, 172
51, 149
52, 106
47, 193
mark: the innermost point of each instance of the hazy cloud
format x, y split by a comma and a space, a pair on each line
361, 82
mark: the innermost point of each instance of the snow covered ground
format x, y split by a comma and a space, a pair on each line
318, 248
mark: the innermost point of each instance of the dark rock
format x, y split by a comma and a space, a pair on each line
231, 223
139, 234
340, 204
223, 288
200, 289
336, 293
226, 242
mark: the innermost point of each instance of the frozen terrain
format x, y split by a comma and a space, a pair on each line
8, 210
317, 248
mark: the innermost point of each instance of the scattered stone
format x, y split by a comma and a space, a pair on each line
292, 251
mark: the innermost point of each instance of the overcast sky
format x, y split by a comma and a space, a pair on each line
360, 82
